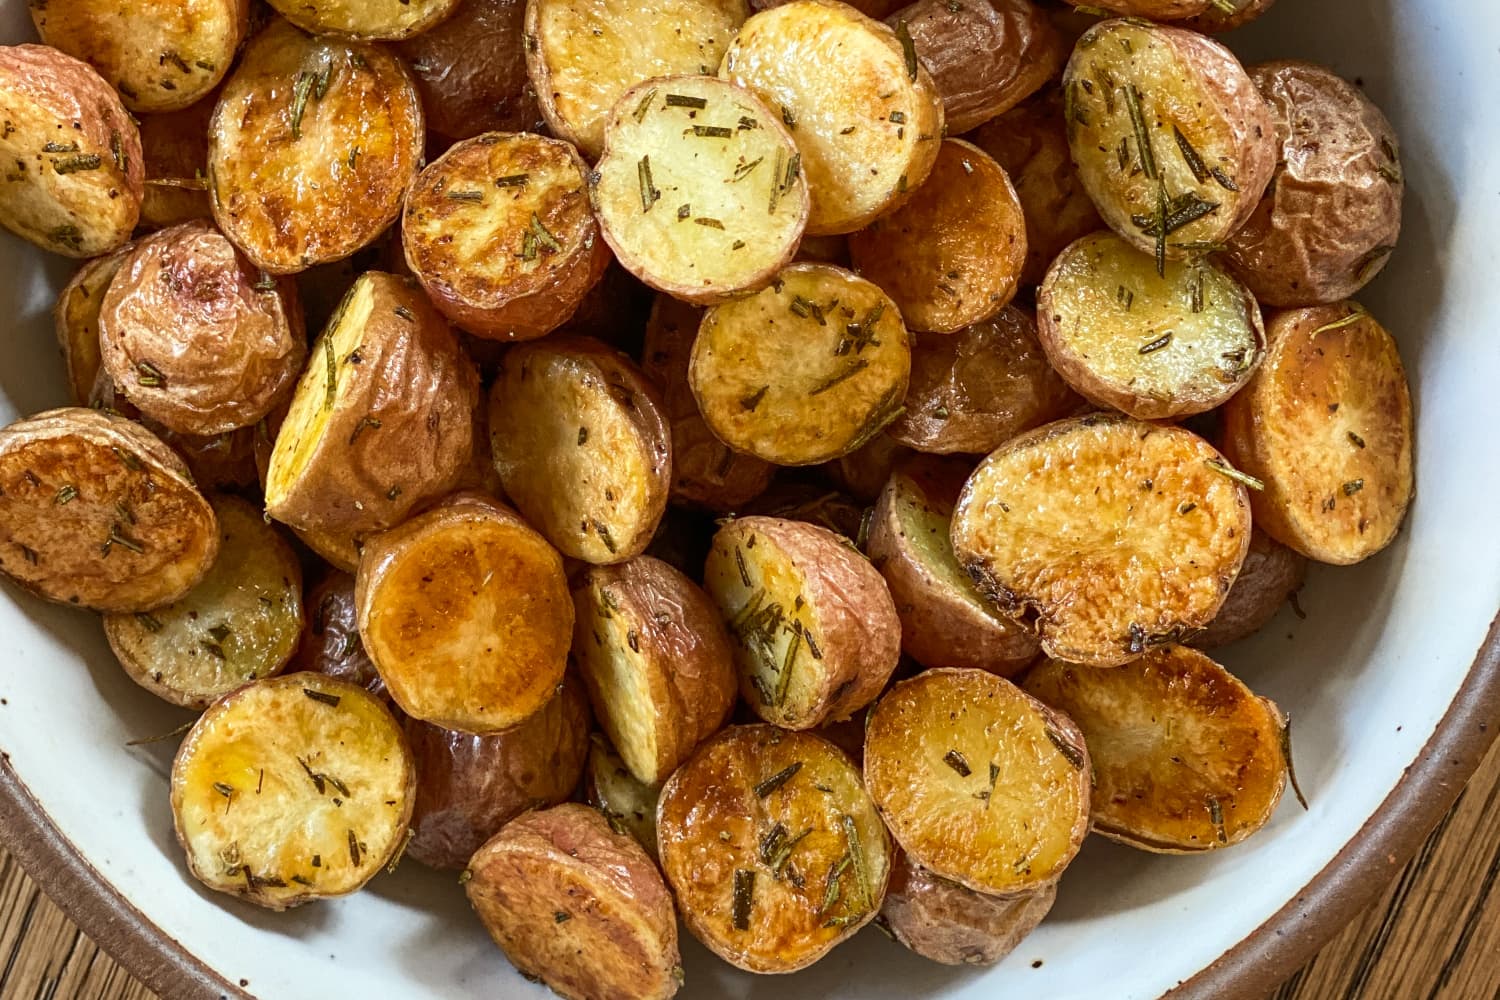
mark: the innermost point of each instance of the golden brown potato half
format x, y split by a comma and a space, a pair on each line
942, 921
813, 503
499, 232
75, 178
290, 789
1171, 138
628, 805
175, 145
312, 145
699, 189
466, 613
471, 71
773, 848
382, 420
952, 254
95, 511
1186, 758
944, 621
75, 319
1156, 344
332, 645
813, 627
864, 112
863, 473
468, 786
1271, 576
974, 390
382, 19
1217, 18
805, 371
577, 906
654, 654
583, 55
1105, 535
582, 445
1326, 425
980, 783
1332, 216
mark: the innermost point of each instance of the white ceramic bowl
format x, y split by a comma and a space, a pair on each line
1368, 678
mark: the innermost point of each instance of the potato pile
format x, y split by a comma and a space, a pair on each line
776, 466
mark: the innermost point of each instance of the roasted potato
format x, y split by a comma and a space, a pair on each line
626, 803
1326, 426
1155, 10
76, 180
332, 644
465, 611
1271, 576
863, 473
75, 319
222, 462
1218, 17
941, 920
952, 254
382, 19
382, 420
175, 145
809, 369
292, 788
1105, 535
311, 147
865, 114
1156, 343
733, 200
1185, 757
1329, 221
582, 445
815, 632
774, 850
95, 511
499, 232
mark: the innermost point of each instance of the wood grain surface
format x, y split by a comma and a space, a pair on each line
1433, 935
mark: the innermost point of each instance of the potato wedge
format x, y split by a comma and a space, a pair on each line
809, 369
577, 906
1129, 539
379, 19
332, 644
290, 789
582, 446
1326, 425
941, 920
628, 805
865, 114
311, 147
75, 319
733, 202
774, 850
466, 613
1186, 758
980, 783
76, 179
95, 511
471, 71
1271, 576
175, 146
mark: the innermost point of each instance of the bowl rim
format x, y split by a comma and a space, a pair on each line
1248, 970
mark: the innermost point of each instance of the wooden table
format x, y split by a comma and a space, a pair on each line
1433, 935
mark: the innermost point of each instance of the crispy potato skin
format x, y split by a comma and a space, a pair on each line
380, 19
1328, 224
75, 318
1271, 575
175, 146
471, 71
617, 936
610, 788
1326, 424
942, 921
77, 551
331, 644
77, 181
1213, 20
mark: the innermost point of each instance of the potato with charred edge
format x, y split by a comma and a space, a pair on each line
311, 147
1219, 17
1186, 758
175, 145
1129, 539
814, 630
499, 232
332, 645
865, 114
382, 420
1271, 576
773, 848
75, 319
291, 789
471, 71
96, 512
582, 446
626, 803
76, 179
465, 611
1326, 425
379, 19
699, 189
1171, 138
942, 921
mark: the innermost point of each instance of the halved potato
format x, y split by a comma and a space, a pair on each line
95, 511
75, 318
626, 803
383, 19
1326, 425
1154, 343
1271, 576
865, 114
774, 850
471, 71
1106, 535
979, 782
332, 644
175, 145
809, 369
465, 611
941, 920
1186, 758
292, 788
699, 189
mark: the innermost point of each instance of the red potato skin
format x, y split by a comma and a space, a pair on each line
331, 644
1271, 575
945, 922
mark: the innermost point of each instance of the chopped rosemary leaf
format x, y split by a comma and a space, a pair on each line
512, 180
359, 428
857, 856
476, 196
778, 779
1356, 440
1357, 313
713, 131
1156, 345
784, 677
649, 194
853, 369
543, 236
322, 697
1072, 754
1190, 156
1286, 755
744, 895
66, 495
956, 760
331, 389
683, 101
643, 108
301, 90
708, 223
745, 169
908, 49
1142, 137
73, 164
147, 622
1353, 486
1216, 815
1224, 180
1225, 469
353, 848
405, 314
149, 376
